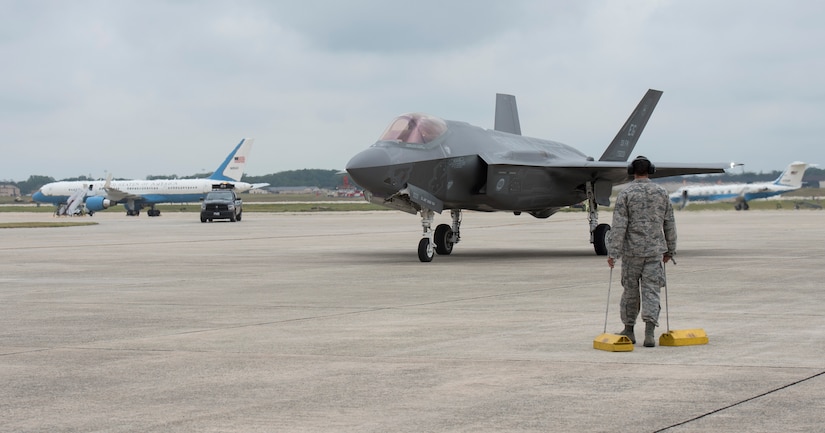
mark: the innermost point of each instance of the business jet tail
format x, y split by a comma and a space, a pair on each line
792, 176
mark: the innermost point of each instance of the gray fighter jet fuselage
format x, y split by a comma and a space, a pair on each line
424, 164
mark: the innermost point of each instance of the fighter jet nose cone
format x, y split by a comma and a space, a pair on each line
366, 168
370, 158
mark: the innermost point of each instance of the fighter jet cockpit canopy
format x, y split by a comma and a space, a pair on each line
414, 128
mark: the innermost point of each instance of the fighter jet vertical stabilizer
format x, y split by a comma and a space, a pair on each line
507, 114
625, 140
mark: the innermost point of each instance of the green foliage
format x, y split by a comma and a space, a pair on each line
306, 177
333, 178
36, 224
33, 183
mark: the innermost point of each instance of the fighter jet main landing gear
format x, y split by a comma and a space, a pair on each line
441, 240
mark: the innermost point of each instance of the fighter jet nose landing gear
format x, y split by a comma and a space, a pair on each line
598, 232
441, 240
425, 250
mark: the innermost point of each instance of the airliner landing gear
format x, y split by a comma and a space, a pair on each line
152, 212
441, 240
598, 232
132, 208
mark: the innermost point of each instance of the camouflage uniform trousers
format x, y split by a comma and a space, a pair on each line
647, 274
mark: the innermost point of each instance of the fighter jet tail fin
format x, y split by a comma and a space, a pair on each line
507, 114
621, 146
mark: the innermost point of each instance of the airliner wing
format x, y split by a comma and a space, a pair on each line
117, 195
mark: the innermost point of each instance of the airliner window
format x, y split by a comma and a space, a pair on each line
414, 128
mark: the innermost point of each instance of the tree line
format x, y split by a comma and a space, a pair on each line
331, 179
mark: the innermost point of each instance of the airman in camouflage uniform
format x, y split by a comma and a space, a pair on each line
644, 237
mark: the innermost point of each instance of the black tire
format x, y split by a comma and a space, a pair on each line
600, 239
425, 250
203, 219
232, 218
240, 214
443, 245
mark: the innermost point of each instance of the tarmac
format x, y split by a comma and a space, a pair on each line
327, 322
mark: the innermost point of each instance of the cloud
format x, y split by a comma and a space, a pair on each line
168, 87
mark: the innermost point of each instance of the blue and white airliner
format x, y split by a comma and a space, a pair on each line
72, 197
741, 193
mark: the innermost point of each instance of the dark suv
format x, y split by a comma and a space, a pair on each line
222, 203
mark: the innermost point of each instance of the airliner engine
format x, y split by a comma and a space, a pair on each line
97, 203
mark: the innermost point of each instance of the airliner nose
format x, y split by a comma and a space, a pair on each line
38, 196
368, 168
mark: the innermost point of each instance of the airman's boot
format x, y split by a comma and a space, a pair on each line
649, 340
628, 332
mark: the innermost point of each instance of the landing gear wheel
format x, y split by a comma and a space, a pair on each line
600, 239
443, 244
425, 250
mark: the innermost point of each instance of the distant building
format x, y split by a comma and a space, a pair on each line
7, 190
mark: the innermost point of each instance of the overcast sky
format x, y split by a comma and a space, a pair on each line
146, 87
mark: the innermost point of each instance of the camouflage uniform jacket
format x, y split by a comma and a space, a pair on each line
643, 222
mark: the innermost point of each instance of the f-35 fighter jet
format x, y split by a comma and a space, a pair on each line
422, 164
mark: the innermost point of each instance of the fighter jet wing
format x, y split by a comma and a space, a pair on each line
614, 171
561, 175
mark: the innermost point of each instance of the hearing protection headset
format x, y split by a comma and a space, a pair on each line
631, 168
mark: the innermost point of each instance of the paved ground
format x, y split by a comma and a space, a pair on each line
327, 322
